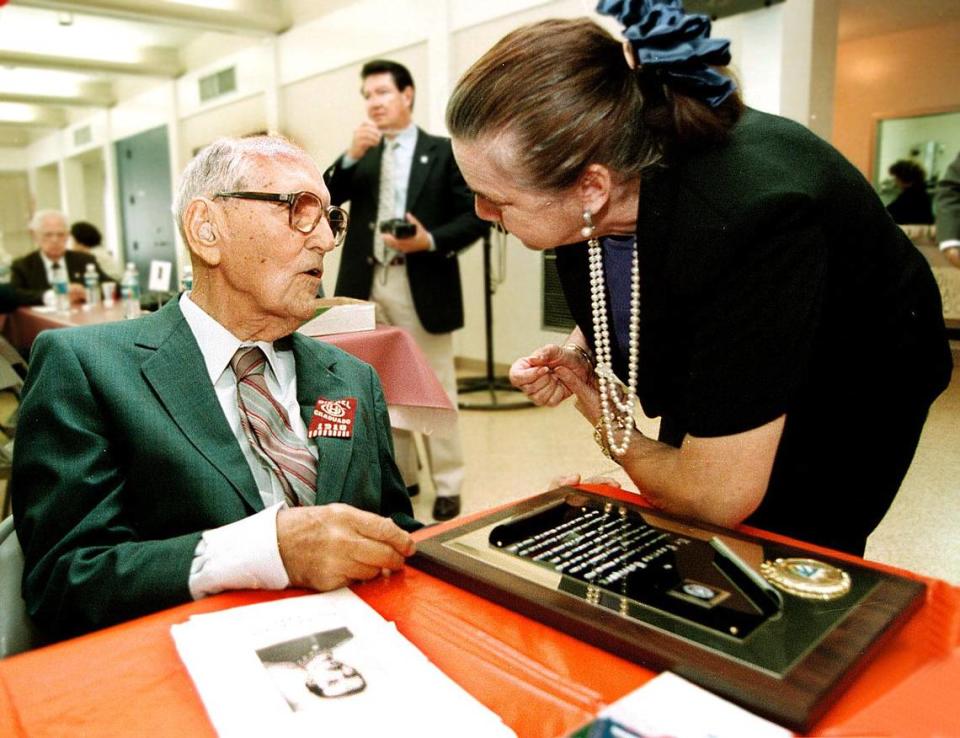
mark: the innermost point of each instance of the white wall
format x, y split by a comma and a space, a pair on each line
784, 57
13, 159
14, 213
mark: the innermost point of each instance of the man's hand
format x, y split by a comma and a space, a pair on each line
419, 241
365, 136
953, 255
537, 375
572, 480
327, 546
77, 293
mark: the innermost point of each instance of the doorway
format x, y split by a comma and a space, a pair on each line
143, 183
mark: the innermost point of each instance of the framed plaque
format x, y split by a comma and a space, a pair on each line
775, 628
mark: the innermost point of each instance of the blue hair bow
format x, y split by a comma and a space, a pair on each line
678, 45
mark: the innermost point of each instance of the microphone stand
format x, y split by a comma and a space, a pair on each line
489, 384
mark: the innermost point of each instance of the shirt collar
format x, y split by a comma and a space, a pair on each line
48, 262
407, 138
217, 344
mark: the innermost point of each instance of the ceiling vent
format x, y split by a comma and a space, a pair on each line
82, 136
218, 83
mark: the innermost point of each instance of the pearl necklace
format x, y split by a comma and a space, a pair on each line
616, 405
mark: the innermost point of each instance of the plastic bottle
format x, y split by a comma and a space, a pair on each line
186, 282
61, 289
91, 281
130, 291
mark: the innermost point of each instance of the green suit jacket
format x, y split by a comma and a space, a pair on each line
124, 456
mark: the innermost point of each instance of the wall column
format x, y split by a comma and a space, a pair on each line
438, 59
785, 56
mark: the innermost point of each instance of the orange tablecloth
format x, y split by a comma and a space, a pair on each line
415, 398
128, 680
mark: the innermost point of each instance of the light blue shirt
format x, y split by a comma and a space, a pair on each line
403, 146
405, 142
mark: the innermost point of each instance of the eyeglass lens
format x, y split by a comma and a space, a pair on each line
337, 219
307, 210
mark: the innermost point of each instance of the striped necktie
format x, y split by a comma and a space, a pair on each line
386, 207
268, 429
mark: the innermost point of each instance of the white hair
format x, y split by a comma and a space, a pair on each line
38, 217
223, 166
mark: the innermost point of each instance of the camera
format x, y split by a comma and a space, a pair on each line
398, 228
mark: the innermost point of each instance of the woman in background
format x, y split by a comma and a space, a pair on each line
725, 267
86, 238
913, 204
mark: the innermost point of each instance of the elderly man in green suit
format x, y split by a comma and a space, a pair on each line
208, 446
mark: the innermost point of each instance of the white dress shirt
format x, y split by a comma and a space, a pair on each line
244, 554
49, 296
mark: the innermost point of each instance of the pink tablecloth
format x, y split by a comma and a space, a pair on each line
415, 398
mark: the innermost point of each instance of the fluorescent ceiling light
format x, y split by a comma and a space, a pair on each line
22, 81
17, 112
36, 31
213, 4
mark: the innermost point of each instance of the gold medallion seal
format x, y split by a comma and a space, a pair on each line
807, 578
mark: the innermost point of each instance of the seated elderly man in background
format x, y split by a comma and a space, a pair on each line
182, 454
35, 273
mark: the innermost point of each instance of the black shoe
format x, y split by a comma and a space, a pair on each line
445, 508
413, 490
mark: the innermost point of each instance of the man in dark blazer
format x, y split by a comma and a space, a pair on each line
32, 273
948, 212
415, 280
139, 482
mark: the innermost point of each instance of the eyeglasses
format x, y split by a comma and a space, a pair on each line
306, 211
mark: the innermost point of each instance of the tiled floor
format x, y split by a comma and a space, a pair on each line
513, 454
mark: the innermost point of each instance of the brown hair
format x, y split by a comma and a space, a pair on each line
908, 172
564, 90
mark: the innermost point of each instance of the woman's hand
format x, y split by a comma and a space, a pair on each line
584, 388
538, 375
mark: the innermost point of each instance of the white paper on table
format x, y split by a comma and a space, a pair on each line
159, 279
340, 315
670, 705
248, 694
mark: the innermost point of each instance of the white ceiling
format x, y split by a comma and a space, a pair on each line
60, 58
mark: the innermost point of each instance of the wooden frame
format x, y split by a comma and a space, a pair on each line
844, 633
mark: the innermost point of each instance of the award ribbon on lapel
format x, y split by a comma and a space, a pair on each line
333, 418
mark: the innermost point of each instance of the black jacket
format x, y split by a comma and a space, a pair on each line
29, 276
440, 199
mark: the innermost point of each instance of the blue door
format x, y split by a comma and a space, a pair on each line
143, 178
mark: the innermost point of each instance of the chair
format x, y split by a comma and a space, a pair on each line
17, 632
6, 467
12, 370
13, 357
